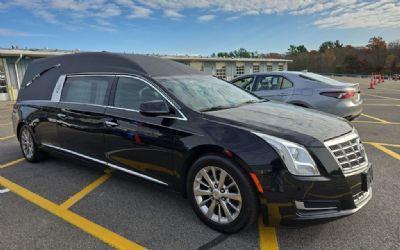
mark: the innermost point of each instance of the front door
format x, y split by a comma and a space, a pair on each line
81, 116
138, 143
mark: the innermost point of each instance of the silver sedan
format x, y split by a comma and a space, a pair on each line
305, 89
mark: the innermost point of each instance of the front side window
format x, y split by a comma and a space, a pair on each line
204, 93
244, 83
87, 89
131, 92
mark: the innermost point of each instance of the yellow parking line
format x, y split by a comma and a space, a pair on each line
383, 97
102, 233
268, 238
385, 150
6, 137
12, 163
384, 144
373, 122
78, 196
375, 118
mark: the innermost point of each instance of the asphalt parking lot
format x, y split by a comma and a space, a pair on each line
60, 204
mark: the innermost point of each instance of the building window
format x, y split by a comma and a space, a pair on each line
221, 73
269, 67
239, 70
280, 68
256, 68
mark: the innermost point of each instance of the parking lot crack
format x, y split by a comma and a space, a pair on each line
214, 242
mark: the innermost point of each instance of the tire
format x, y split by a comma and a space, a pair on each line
237, 191
28, 145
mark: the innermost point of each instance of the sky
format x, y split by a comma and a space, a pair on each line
194, 27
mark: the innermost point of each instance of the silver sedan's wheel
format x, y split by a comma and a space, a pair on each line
27, 144
217, 195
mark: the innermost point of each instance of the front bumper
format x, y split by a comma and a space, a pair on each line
295, 201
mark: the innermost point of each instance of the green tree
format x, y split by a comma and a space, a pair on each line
337, 44
294, 50
326, 45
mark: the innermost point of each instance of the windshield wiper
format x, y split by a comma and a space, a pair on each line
42, 73
252, 101
216, 108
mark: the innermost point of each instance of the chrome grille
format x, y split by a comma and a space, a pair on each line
349, 153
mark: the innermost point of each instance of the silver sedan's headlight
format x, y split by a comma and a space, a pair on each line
296, 158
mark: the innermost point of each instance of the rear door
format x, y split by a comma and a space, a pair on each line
273, 87
286, 89
267, 86
81, 114
136, 143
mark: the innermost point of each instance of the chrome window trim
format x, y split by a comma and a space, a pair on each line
58, 88
56, 96
107, 164
81, 103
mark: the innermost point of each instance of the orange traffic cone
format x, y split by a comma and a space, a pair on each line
371, 84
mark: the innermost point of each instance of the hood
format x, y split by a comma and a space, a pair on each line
304, 126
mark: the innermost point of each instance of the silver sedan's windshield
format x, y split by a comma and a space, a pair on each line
206, 93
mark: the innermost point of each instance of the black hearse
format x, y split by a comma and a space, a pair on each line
229, 152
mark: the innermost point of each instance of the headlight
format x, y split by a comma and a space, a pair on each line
296, 158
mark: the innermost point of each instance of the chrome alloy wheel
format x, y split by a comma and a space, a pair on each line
217, 194
27, 143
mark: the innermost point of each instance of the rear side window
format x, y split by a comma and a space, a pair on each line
272, 83
286, 84
266, 83
132, 92
86, 89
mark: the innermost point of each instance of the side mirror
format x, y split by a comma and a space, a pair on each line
154, 108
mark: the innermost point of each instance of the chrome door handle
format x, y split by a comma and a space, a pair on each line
61, 116
111, 124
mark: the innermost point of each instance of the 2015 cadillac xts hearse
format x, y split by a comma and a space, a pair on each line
229, 152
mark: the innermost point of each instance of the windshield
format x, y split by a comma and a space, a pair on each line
206, 93
320, 78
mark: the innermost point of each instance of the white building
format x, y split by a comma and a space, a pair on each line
13, 62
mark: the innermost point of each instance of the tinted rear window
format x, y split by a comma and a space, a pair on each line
87, 89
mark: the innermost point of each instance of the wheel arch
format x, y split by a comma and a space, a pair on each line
204, 150
300, 104
19, 126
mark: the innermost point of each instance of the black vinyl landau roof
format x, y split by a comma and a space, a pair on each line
95, 62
